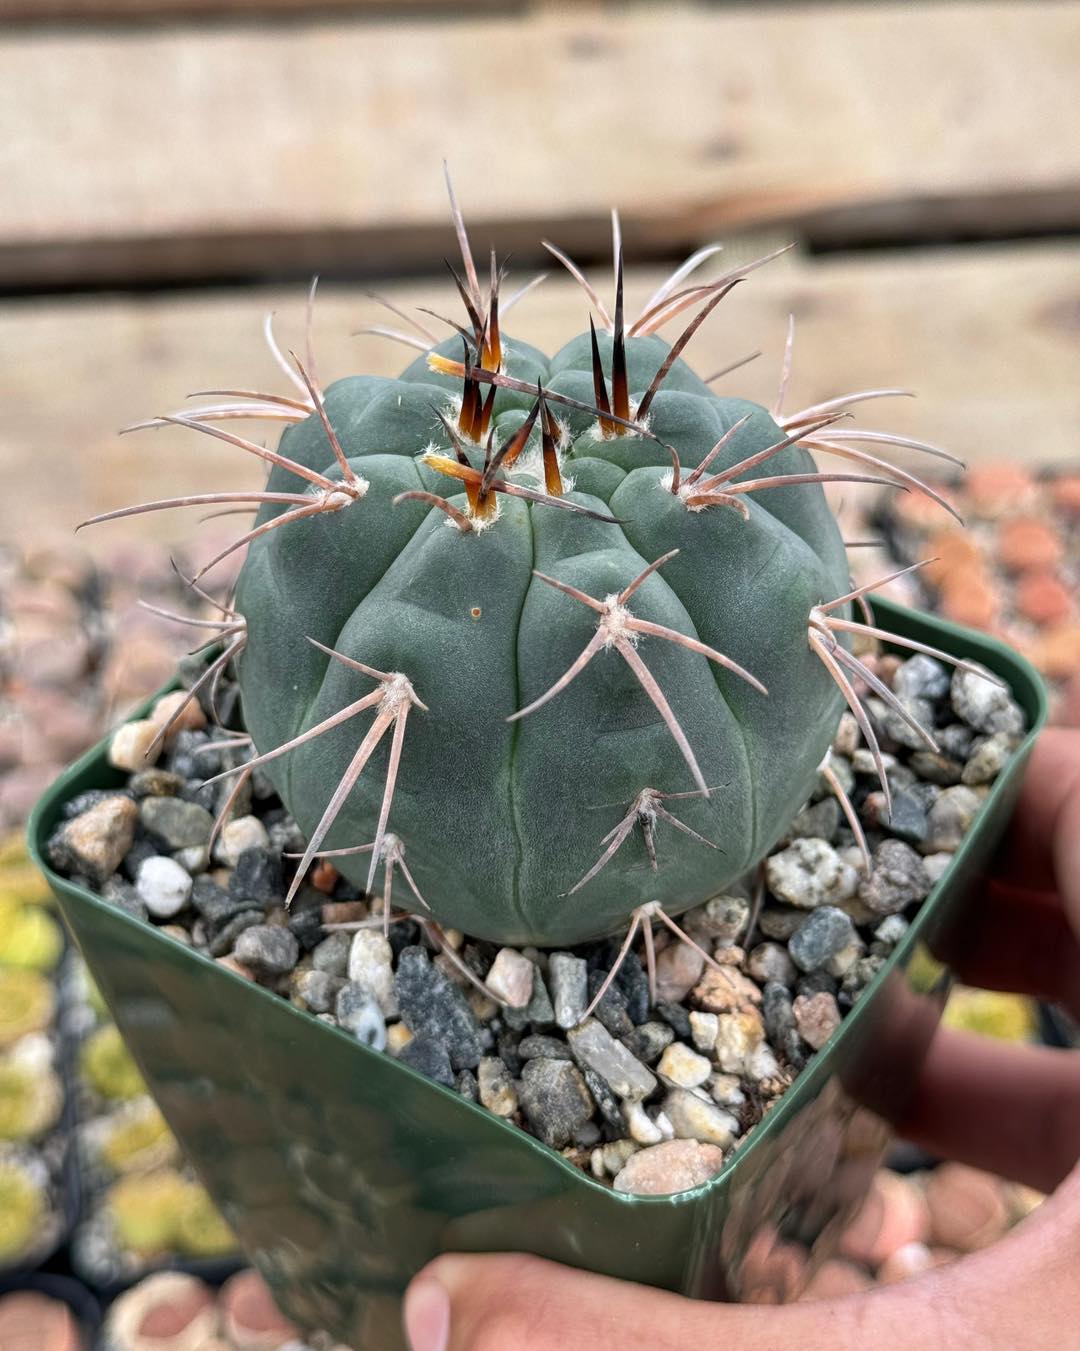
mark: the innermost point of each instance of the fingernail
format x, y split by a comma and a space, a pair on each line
427, 1316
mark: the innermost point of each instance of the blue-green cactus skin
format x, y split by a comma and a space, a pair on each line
500, 819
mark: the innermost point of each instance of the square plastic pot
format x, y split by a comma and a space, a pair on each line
343, 1171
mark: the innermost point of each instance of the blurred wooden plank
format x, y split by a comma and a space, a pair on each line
237, 151
990, 337
38, 11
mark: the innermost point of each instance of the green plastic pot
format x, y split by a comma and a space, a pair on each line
343, 1172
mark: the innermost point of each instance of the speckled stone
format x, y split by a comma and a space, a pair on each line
430, 1058
495, 1087
950, 819
671, 1166
95, 842
555, 1100
820, 937
432, 1005
817, 1017
988, 758
807, 874
179, 824
985, 705
897, 879
770, 961
269, 950
648, 1041
371, 965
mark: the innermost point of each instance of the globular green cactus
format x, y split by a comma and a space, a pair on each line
566, 639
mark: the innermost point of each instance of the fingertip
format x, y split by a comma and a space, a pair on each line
427, 1314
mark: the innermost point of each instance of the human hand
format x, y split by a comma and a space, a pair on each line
1011, 1110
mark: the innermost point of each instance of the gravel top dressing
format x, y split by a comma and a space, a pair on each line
648, 1093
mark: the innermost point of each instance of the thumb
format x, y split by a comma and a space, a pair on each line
521, 1303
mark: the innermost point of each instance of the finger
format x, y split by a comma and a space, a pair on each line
1019, 941
1050, 789
1012, 1110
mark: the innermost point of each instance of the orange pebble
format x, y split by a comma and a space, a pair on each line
950, 551
1065, 494
967, 1207
969, 598
324, 877
994, 489
1043, 598
919, 511
1057, 651
1025, 543
893, 1214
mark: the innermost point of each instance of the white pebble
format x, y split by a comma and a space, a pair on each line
246, 832
162, 886
682, 1068
130, 747
643, 1129
371, 960
703, 1028
511, 978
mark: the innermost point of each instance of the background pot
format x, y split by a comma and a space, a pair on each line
343, 1171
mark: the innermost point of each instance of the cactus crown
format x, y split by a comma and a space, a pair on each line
562, 641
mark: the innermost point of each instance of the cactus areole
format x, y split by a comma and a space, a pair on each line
562, 641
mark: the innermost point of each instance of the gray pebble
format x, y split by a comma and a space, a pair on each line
268, 951
676, 1017
162, 886
649, 1041
431, 1058
594, 1048
898, 729
988, 758
907, 821
950, 818
983, 704
538, 1047
155, 783
921, 677
611, 1010
823, 934
94, 842
935, 865
538, 1013
332, 954
819, 821
318, 990
770, 961
568, 977
897, 879
257, 878
939, 769
468, 1086
863, 762
433, 1006
780, 921
180, 824
606, 1102
955, 740
555, 1100
221, 941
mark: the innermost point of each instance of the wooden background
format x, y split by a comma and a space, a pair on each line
172, 169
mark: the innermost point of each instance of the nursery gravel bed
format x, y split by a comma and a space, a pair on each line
650, 1097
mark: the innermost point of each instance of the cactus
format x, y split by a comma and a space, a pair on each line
22, 1209
27, 1004
31, 1100
29, 938
565, 640
107, 1067
163, 1212
135, 1139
